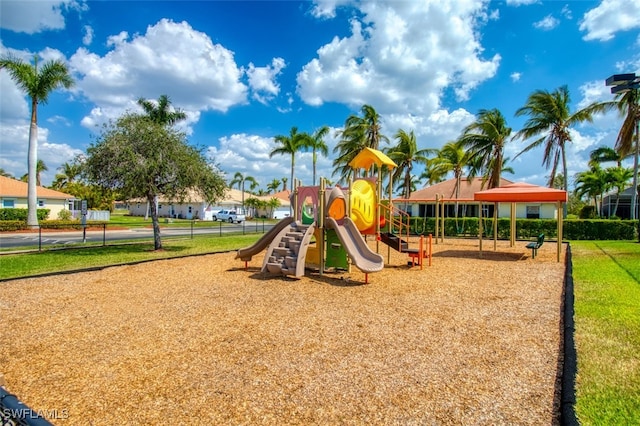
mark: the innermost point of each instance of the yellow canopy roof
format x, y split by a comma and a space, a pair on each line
369, 156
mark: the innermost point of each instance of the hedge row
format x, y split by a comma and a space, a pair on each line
21, 214
573, 229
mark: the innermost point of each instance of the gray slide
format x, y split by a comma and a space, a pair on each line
248, 252
361, 255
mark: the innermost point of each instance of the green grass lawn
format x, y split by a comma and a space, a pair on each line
607, 322
27, 264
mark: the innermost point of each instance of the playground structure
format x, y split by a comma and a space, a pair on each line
329, 225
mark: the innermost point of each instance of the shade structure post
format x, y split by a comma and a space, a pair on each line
560, 209
480, 227
495, 226
512, 232
437, 216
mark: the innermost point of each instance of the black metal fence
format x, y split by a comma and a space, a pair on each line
102, 234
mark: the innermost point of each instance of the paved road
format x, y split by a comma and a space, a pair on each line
31, 240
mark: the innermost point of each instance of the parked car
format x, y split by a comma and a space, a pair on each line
228, 216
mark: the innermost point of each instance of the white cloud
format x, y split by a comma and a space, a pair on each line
170, 58
547, 23
249, 154
326, 8
610, 16
33, 16
14, 142
396, 63
262, 80
515, 76
521, 2
88, 35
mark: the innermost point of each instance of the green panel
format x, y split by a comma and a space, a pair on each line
336, 254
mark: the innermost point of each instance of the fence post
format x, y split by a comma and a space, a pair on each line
192, 229
39, 238
104, 234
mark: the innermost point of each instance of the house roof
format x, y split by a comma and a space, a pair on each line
447, 189
16, 188
521, 192
233, 196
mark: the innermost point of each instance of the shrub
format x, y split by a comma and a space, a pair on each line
65, 215
573, 229
21, 214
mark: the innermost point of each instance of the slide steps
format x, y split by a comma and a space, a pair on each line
286, 254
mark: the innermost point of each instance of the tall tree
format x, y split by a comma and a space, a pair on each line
549, 122
628, 104
240, 180
317, 144
284, 183
37, 82
405, 153
486, 139
290, 145
140, 158
161, 112
358, 133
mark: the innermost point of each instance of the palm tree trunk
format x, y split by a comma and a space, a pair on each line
32, 191
314, 167
566, 181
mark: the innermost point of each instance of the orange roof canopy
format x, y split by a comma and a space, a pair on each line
521, 192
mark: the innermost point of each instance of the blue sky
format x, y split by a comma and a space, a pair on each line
245, 72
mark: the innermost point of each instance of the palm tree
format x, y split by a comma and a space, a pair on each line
160, 111
592, 183
358, 133
317, 144
40, 167
485, 139
618, 178
452, 157
290, 145
37, 83
404, 154
240, 180
551, 119
604, 154
284, 183
628, 104
69, 173
273, 185
5, 173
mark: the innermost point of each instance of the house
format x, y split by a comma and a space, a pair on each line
422, 203
13, 195
624, 204
194, 207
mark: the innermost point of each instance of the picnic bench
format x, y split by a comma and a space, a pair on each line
535, 245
